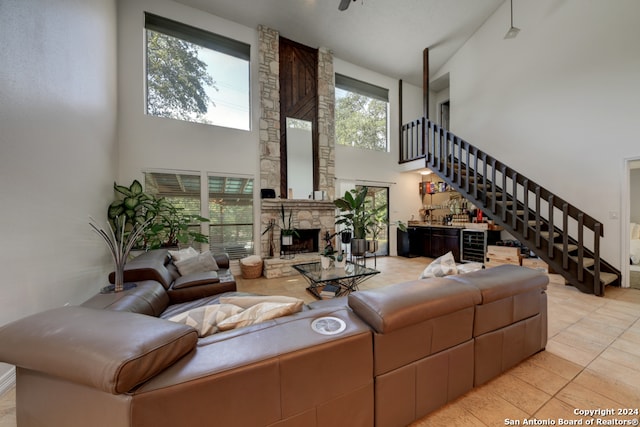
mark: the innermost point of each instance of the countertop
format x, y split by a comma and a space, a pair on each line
426, 224
455, 226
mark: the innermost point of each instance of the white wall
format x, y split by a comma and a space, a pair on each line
57, 150
367, 167
147, 142
559, 103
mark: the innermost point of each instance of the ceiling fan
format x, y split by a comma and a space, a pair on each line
344, 4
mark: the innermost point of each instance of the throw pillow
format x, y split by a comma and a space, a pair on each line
183, 254
440, 267
258, 313
197, 264
206, 319
247, 301
469, 267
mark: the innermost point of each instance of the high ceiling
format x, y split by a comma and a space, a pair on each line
386, 36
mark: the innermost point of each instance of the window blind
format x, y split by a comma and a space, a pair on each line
196, 35
363, 88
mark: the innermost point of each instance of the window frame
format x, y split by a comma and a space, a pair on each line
369, 90
204, 201
205, 39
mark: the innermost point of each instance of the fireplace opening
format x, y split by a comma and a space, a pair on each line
306, 241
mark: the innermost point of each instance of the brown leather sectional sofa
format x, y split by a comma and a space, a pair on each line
407, 349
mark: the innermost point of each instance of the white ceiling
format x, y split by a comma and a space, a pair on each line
386, 36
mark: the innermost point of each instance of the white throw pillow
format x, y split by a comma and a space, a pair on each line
469, 267
259, 313
197, 264
246, 301
440, 267
183, 254
206, 319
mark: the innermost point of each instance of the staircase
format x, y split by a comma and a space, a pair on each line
566, 238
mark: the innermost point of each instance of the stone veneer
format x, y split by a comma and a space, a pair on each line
306, 213
269, 72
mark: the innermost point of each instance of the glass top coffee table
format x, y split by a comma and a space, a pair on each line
334, 282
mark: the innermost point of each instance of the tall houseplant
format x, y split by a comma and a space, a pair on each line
357, 215
167, 226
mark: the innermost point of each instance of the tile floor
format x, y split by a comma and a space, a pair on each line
592, 359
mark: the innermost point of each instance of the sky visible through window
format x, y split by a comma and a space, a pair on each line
231, 77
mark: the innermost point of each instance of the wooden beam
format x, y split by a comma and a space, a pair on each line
400, 119
425, 81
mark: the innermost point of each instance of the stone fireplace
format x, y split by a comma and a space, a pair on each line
307, 215
312, 219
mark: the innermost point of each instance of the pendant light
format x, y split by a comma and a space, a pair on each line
513, 31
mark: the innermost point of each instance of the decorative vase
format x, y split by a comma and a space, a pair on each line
120, 245
372, 246
325, 262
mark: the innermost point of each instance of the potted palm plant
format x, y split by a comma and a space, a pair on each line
358, 216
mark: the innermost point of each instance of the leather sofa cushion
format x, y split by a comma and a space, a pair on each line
110, 351
196, 279
504, 281
147, 297
153, 269
403, 304
510, 294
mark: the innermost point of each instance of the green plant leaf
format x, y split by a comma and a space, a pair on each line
130, 202
115, 209
122, 190
136, 187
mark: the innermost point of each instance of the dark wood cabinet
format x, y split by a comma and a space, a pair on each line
433, 242
445, 240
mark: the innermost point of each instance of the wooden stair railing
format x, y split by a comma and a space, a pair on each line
566, 238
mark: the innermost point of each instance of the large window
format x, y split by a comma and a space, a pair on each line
361, 114
195, 75
231, 215
229, 202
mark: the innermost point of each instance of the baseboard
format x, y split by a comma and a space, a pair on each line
7, 381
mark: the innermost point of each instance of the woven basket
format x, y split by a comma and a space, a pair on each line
251, 271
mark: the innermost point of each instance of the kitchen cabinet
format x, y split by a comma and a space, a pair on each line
434, 241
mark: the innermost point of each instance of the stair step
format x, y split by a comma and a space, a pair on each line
570, 247
607, 278
545, 234
586, 262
